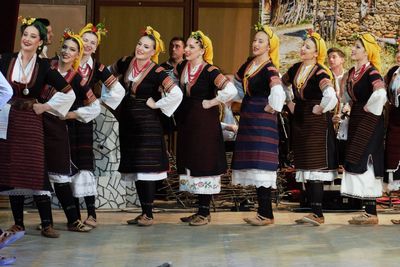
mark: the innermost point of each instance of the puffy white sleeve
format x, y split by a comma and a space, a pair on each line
61, 103
329, 99
227, 94
277, 97
89, 112
6, 91
376, 102
170, 101
113, 96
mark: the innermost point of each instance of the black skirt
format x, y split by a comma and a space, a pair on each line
22, 155
314, 143
56, 141
200, 146
81, 143
142, 143
365, 140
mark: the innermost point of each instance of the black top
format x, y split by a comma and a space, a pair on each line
42, 74
260, 82
148, 84
84, 94
360, 88
388, 79
318, 79
207, 83
99, 74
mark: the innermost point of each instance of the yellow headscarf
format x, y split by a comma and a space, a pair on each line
321, 50
159, 43
273, 43
207, 45
373, 50
69, 34
99, 30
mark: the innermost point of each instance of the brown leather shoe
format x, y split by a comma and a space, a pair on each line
49, 232
364, 219
145, 221
16, 228
259, 220
312, 219
135, 220
191, 217
199, 220
91, 221
79, 227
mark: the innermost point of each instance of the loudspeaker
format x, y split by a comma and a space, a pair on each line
333, 200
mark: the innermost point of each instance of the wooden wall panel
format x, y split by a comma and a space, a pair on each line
230, 30
60, 16
125, 23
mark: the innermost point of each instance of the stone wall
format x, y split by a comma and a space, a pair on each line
381, 19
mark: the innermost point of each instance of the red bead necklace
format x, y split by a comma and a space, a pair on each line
193, 77
136, 71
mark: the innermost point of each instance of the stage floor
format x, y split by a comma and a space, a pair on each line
227, 241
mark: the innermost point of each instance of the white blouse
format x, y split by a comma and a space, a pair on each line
329, 99
170, 101
88, 113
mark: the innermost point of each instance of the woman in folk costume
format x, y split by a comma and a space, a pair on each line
149, 91
392, 144
255, 157
56, 133
80, 129
200, 147
314, 150
22, 154
364, 157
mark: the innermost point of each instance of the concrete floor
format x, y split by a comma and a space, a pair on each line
227, 241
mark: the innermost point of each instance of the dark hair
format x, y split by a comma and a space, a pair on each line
75, 41
152, 38
199, 41
336, 50
45, 21
361, 41
315, 42
42, 32
177, 38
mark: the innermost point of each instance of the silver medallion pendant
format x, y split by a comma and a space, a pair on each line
25, 91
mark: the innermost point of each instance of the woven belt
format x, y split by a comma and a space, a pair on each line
23, 104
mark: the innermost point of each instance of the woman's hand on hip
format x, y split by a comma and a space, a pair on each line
151, 103
39, 108
269, 109
317, 110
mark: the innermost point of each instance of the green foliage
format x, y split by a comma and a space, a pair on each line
305, 21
